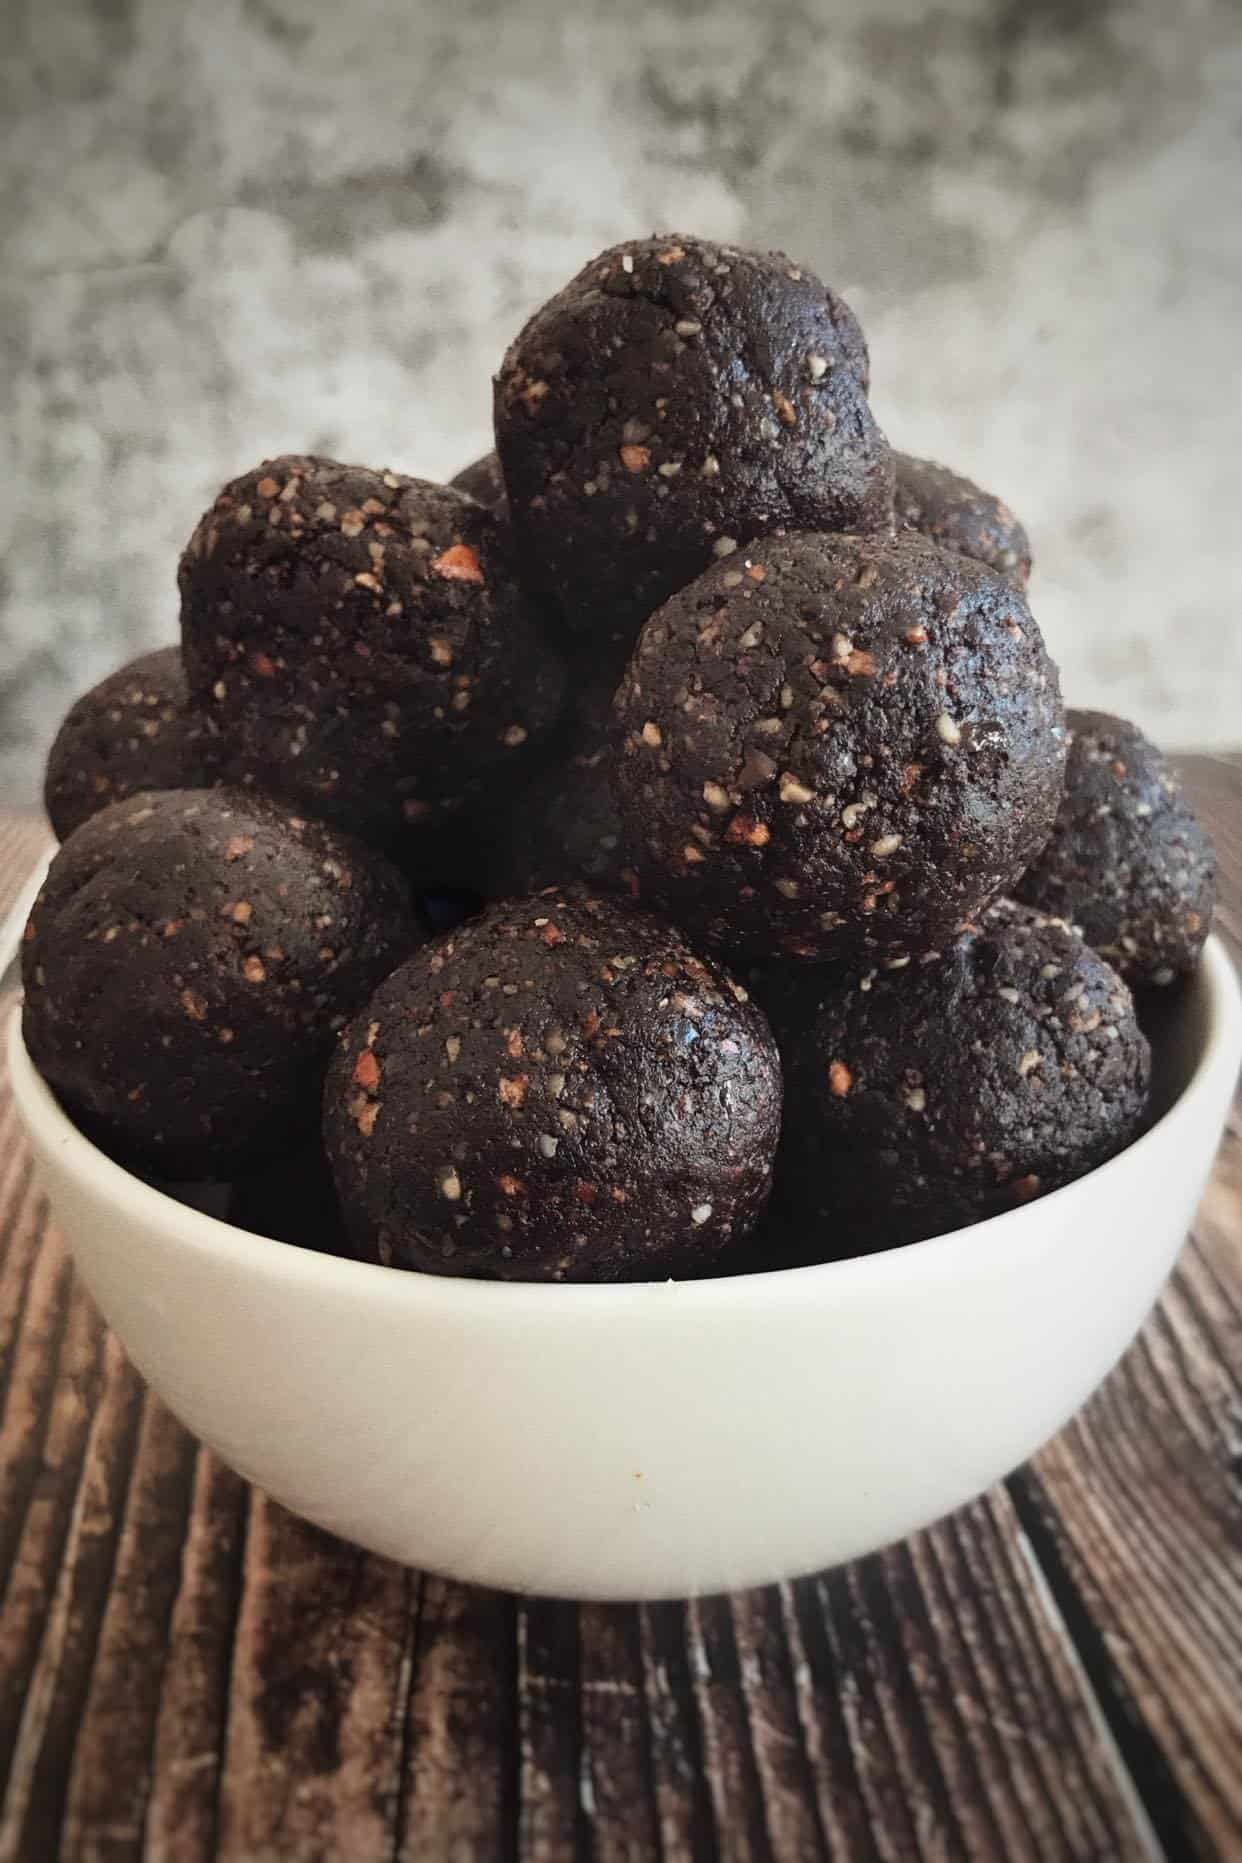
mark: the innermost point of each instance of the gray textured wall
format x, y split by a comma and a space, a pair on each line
251, 225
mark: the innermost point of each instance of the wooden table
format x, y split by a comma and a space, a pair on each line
187, 1671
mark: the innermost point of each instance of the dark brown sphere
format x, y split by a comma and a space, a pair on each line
959, 515
187, 965
837, 745
135, 730
1128, 862
559, 1090
360, 642
483, 481
678, 398
927, 1097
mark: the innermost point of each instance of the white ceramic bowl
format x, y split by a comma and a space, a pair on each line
656, 1440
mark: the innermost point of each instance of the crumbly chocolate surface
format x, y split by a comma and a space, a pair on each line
928, 1097
677, 399
959, 515
361, 644
187, 965
134, 730
483, 481
559, 1090
565, 826
1127, 861
835, 745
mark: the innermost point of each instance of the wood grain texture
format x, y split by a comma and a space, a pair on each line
192, 1720
312, 1755
187, 1672
459, 1762
23, 839
1141, 1500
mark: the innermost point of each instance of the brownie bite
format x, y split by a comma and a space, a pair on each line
675, 400
958, 1085
187, 965
837, 744
483, 481
565, 826
1127, 862
557, 1091
959, 515
135, 730
361, 644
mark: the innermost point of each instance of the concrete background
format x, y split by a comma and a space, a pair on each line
232, 229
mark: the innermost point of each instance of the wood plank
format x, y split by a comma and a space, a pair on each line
728, 1751
683, 1804
460, 1765
783, 1772
616, 1763
552, 1815
955, 1721
117, 1733
1042, 1769
40, 1379
182, 1813
23, 1234
825, 1716
924, 1703
23, 841
1214, 788
317, 1698
46, 1425
1141, 1501
51, 1708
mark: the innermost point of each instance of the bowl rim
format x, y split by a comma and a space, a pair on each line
183, 1227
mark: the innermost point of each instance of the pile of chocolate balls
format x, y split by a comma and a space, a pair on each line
660, 852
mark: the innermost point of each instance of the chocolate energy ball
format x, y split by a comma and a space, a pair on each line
1128, 861
361, 643
927, 1097
558, 1091
187, 965
836, 745
565, 826
676, 399
959, 515
135, 730
483, 481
